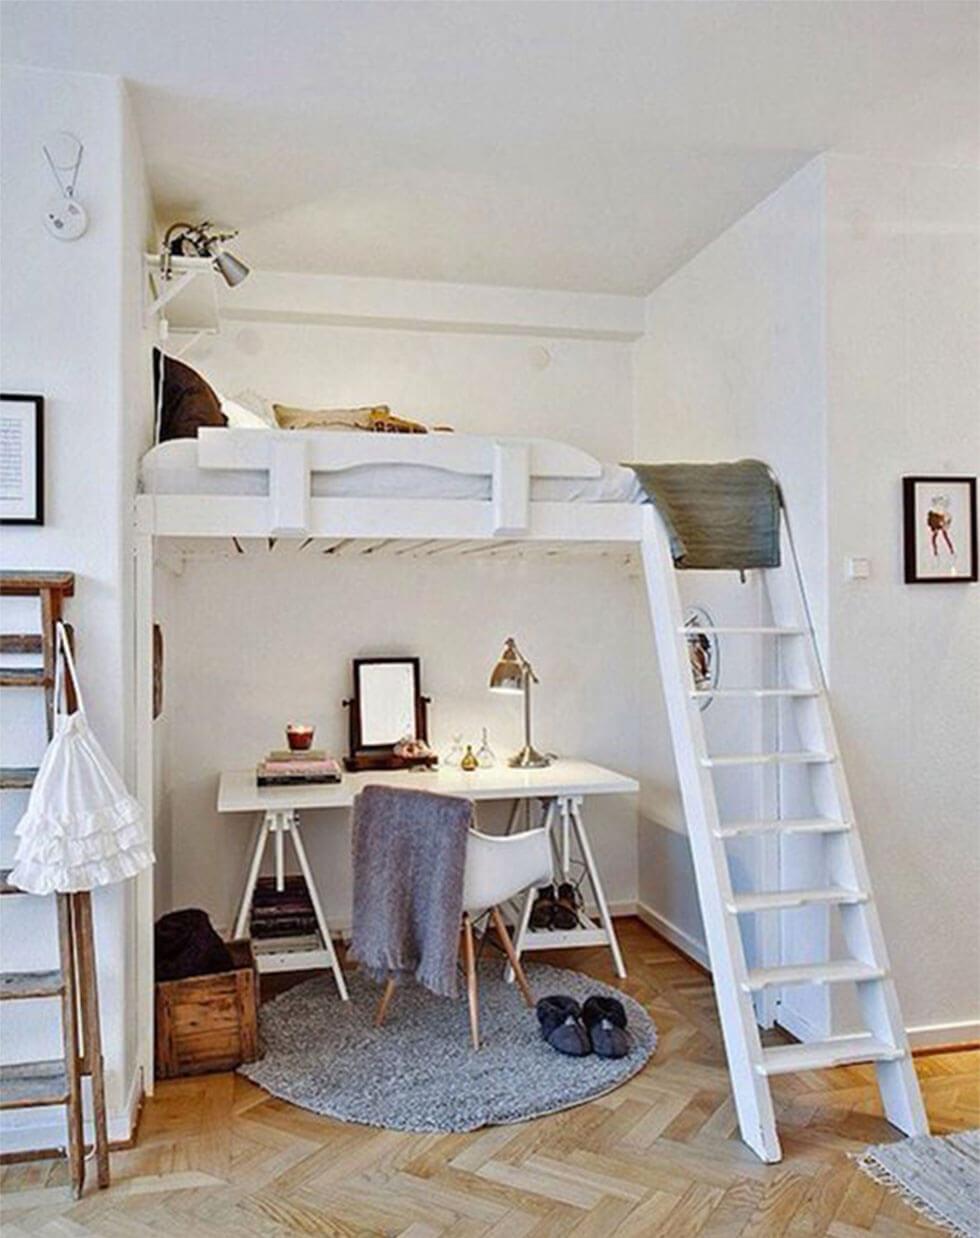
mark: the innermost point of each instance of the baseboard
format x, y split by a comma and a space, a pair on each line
688, 945
938, 1036
28, 1134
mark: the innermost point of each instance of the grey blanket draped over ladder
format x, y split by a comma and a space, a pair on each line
722, 516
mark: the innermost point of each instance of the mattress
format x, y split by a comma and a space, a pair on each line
171, 468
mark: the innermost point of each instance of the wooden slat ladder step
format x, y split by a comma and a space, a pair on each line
823, 1054
29, 1085
17, 777
20, 985
840, 882
839, 972
782, 825
73, 985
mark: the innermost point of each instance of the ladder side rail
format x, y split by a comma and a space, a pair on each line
753, 1100
860, 923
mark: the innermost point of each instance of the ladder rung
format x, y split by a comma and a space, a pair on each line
12, 642
693, 630
24, 677
5, 886
17, 985
24, 1085
17, 777
769, 758
788, 825
775, 899
33, 584
839, 972
759, 693
820, 1054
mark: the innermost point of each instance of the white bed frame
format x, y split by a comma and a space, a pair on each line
290, 511
510, 516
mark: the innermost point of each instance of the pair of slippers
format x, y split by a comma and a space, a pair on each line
598, 1026
556, 909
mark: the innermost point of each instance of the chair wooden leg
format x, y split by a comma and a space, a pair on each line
512, 958
472, 993
386, 996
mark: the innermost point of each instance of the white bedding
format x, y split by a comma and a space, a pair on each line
171, 468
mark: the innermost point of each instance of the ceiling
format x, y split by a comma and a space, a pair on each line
583, 146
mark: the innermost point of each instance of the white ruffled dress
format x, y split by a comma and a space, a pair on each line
82, 828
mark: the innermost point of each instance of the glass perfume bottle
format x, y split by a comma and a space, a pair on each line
455, 754
485, 757
469, 761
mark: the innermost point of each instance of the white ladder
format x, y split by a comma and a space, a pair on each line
847, 885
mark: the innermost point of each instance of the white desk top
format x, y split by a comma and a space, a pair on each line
237, 791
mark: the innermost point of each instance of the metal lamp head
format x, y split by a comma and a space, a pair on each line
508, 674
231, 269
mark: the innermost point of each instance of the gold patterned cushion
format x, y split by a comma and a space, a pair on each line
377, 418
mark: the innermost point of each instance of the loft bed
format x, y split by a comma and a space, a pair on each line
327, 490
238, 491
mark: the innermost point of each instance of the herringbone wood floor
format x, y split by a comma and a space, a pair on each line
217, 1157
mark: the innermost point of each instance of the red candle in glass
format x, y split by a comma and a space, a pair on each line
299, 737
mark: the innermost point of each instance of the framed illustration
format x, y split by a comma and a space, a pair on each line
21, 459
940, 529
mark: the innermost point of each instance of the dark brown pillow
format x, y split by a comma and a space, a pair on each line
188, 402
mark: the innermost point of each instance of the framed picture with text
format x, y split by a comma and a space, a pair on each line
21, 459
940, 530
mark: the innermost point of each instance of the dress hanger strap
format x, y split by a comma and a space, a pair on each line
64, 661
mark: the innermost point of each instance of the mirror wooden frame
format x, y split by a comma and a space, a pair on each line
363, 756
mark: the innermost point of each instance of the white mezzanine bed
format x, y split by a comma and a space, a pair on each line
359, 487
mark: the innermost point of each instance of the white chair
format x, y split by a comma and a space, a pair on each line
497, 869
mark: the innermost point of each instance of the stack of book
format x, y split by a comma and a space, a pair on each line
282, 913
291, 769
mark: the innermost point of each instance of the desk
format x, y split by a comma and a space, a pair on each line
560, 789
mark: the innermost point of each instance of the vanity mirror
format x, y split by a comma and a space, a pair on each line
386, 710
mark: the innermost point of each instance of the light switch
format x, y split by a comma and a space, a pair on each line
857, 568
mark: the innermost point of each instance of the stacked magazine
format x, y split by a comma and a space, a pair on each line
284, 768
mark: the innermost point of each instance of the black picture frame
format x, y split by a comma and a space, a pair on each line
37, 516
914, 531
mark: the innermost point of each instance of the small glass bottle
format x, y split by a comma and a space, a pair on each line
469, 761
485, 755
454, 756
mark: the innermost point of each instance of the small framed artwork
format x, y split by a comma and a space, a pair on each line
21, 459
940, 529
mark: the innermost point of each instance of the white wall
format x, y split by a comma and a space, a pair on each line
833, 331
575, 621
70, 327
903, 362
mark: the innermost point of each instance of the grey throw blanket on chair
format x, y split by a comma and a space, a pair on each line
409, 855
717, 515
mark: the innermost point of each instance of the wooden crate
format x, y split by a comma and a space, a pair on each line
208, 1023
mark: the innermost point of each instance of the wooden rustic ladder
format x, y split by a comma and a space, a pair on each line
844, 884
58, 1082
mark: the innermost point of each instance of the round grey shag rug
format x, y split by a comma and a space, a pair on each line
418, 1072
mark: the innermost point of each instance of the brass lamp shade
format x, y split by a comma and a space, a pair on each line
508, 674
513, 673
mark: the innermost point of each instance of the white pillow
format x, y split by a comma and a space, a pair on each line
259, 405
239, 417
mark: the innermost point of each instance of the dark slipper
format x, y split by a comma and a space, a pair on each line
565, 914
605, 1019
542, 913
560, 1019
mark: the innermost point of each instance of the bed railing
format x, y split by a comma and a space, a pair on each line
291, 456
